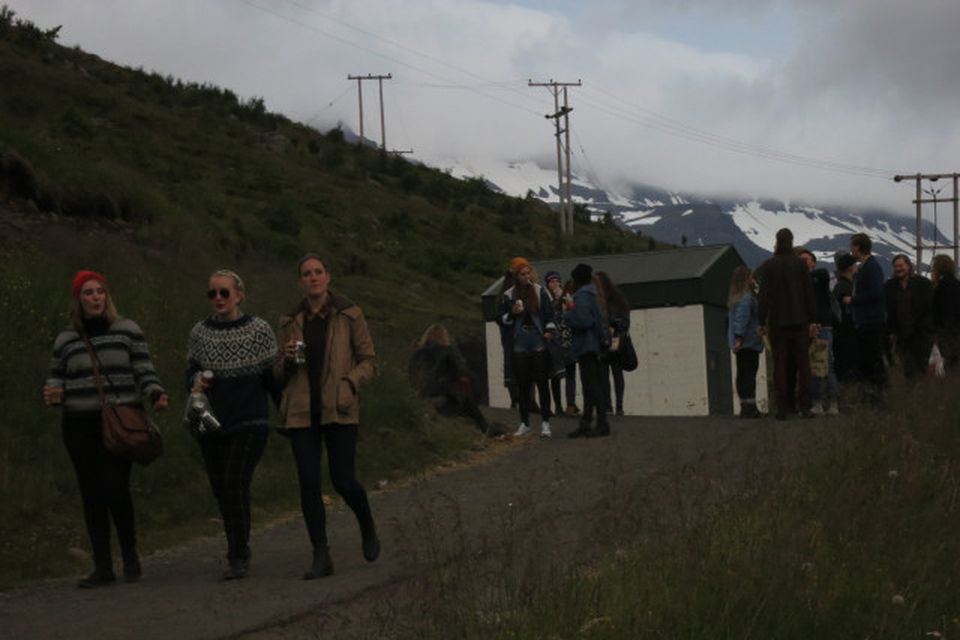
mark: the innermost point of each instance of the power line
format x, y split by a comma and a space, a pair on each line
633, 113
379, 54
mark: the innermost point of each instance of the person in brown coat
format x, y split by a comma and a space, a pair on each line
327, 355
787, 313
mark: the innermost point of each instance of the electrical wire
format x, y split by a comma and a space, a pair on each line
380, 54
600, 100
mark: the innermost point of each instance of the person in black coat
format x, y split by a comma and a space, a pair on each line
946, 309
909, 316
868, 305
845, 335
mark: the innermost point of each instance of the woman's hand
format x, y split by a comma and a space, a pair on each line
52, 395
737, 344
162, 402
200, 384
290, 350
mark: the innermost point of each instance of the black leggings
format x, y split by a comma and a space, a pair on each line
341, 441
748, 362
231, 459
104, 481
532, 368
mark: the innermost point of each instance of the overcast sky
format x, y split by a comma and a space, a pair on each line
692, 95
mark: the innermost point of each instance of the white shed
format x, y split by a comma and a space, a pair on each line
678, 323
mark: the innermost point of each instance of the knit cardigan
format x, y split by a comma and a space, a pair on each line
241, 354
126, 372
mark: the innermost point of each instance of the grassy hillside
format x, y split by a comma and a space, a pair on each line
157, 182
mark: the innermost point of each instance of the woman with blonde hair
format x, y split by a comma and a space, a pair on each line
743, 338
439, 373
117, 344
239, 350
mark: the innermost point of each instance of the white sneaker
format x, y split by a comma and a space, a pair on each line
545, 430
834, 410
521, 431
816, 409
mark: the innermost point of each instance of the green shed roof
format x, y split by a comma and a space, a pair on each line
671, 277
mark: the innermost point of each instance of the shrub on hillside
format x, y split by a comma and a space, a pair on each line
17, 177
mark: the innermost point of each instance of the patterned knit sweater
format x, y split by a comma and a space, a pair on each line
126, 372
241, 354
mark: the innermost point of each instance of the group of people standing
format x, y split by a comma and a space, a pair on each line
547, 333
823, 339
313, 372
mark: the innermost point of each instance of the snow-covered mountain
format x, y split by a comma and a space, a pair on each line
750, 224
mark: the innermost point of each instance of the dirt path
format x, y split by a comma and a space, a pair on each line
547, 488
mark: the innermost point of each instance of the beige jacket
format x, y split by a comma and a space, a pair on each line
349, 361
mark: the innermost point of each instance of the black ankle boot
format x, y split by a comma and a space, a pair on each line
99, 578
371, 543
238, 568
132, 571
583, 430
322, 564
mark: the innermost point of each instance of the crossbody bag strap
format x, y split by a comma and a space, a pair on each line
96, 369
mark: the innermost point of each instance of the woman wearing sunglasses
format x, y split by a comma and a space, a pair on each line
239, 350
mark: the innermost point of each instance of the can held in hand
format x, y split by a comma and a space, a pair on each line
301, 355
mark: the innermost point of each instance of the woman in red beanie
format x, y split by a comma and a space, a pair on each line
127, 376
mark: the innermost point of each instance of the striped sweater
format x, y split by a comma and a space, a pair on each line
126, 372
240, 353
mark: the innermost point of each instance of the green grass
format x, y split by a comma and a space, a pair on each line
857, 541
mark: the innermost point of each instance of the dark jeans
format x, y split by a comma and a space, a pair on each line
847, 360
871, 345
231, 459
570, 383
791, 343
532, 368
914, 355
748, 362
612, 367
104, 481
592, 383
341, 441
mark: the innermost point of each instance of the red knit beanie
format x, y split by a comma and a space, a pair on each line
84, 276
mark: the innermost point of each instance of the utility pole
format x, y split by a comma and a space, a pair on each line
919, 200
563, 168
379, 79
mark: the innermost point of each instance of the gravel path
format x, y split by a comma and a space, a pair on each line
549, 497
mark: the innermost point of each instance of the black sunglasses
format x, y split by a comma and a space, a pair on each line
223, 293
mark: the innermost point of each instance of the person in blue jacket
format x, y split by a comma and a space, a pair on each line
743, 338
591, 339
868, 305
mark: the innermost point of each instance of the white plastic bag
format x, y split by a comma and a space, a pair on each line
935, 363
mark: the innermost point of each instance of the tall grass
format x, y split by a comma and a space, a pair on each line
852, 533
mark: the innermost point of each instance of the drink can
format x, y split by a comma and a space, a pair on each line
301, 357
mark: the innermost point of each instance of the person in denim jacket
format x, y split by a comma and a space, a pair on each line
527, 315
591, 339
743, 338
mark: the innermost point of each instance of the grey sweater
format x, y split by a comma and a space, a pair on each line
126, 372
